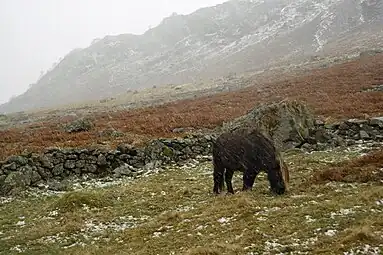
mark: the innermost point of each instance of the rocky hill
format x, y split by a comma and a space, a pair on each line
236, 36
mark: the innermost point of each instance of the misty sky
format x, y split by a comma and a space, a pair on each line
36, 33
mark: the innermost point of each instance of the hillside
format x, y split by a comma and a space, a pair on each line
236, 36
337, 92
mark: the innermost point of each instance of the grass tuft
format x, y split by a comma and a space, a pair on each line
75, 200
172, 216
360, 235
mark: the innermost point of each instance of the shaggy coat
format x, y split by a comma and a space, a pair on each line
249, 152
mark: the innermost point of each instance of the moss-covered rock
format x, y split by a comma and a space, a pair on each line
79, 125
167, 152
288, 123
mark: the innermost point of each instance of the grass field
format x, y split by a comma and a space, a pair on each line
174, 212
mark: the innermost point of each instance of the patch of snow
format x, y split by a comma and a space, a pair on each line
330, 232
75, 244
18, 249
101, 227
299, 196
53, 213
51, 239
6, 200
200, 227
223, 220
20, 223
366, 249
273, 245
157, 234
309, 219
343, 212
185, 208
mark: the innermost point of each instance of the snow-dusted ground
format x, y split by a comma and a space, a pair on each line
189, 216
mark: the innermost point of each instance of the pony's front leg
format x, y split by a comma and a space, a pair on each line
249, 176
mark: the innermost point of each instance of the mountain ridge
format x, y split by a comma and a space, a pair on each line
235, 36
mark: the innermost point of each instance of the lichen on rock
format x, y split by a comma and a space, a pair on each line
288, 123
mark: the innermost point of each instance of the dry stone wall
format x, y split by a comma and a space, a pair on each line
21, 171
345, 133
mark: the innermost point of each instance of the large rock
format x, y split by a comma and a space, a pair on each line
19, 160
377, 121
158, 150
79, 125
288, 123
124, 170
14, 182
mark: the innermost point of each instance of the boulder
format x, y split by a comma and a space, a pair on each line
79, 125
377, 121
14, 182
18, 160
127, 149
356, 122
363, 135
46, 161
124, 170
288, 123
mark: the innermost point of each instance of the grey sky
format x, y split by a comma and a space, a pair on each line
36, 33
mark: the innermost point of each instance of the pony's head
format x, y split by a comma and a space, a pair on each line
279, 176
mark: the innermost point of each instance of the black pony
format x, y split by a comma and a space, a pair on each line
250, 152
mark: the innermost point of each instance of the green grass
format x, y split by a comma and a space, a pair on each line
174, 212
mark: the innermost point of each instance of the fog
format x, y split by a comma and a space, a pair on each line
35, 34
